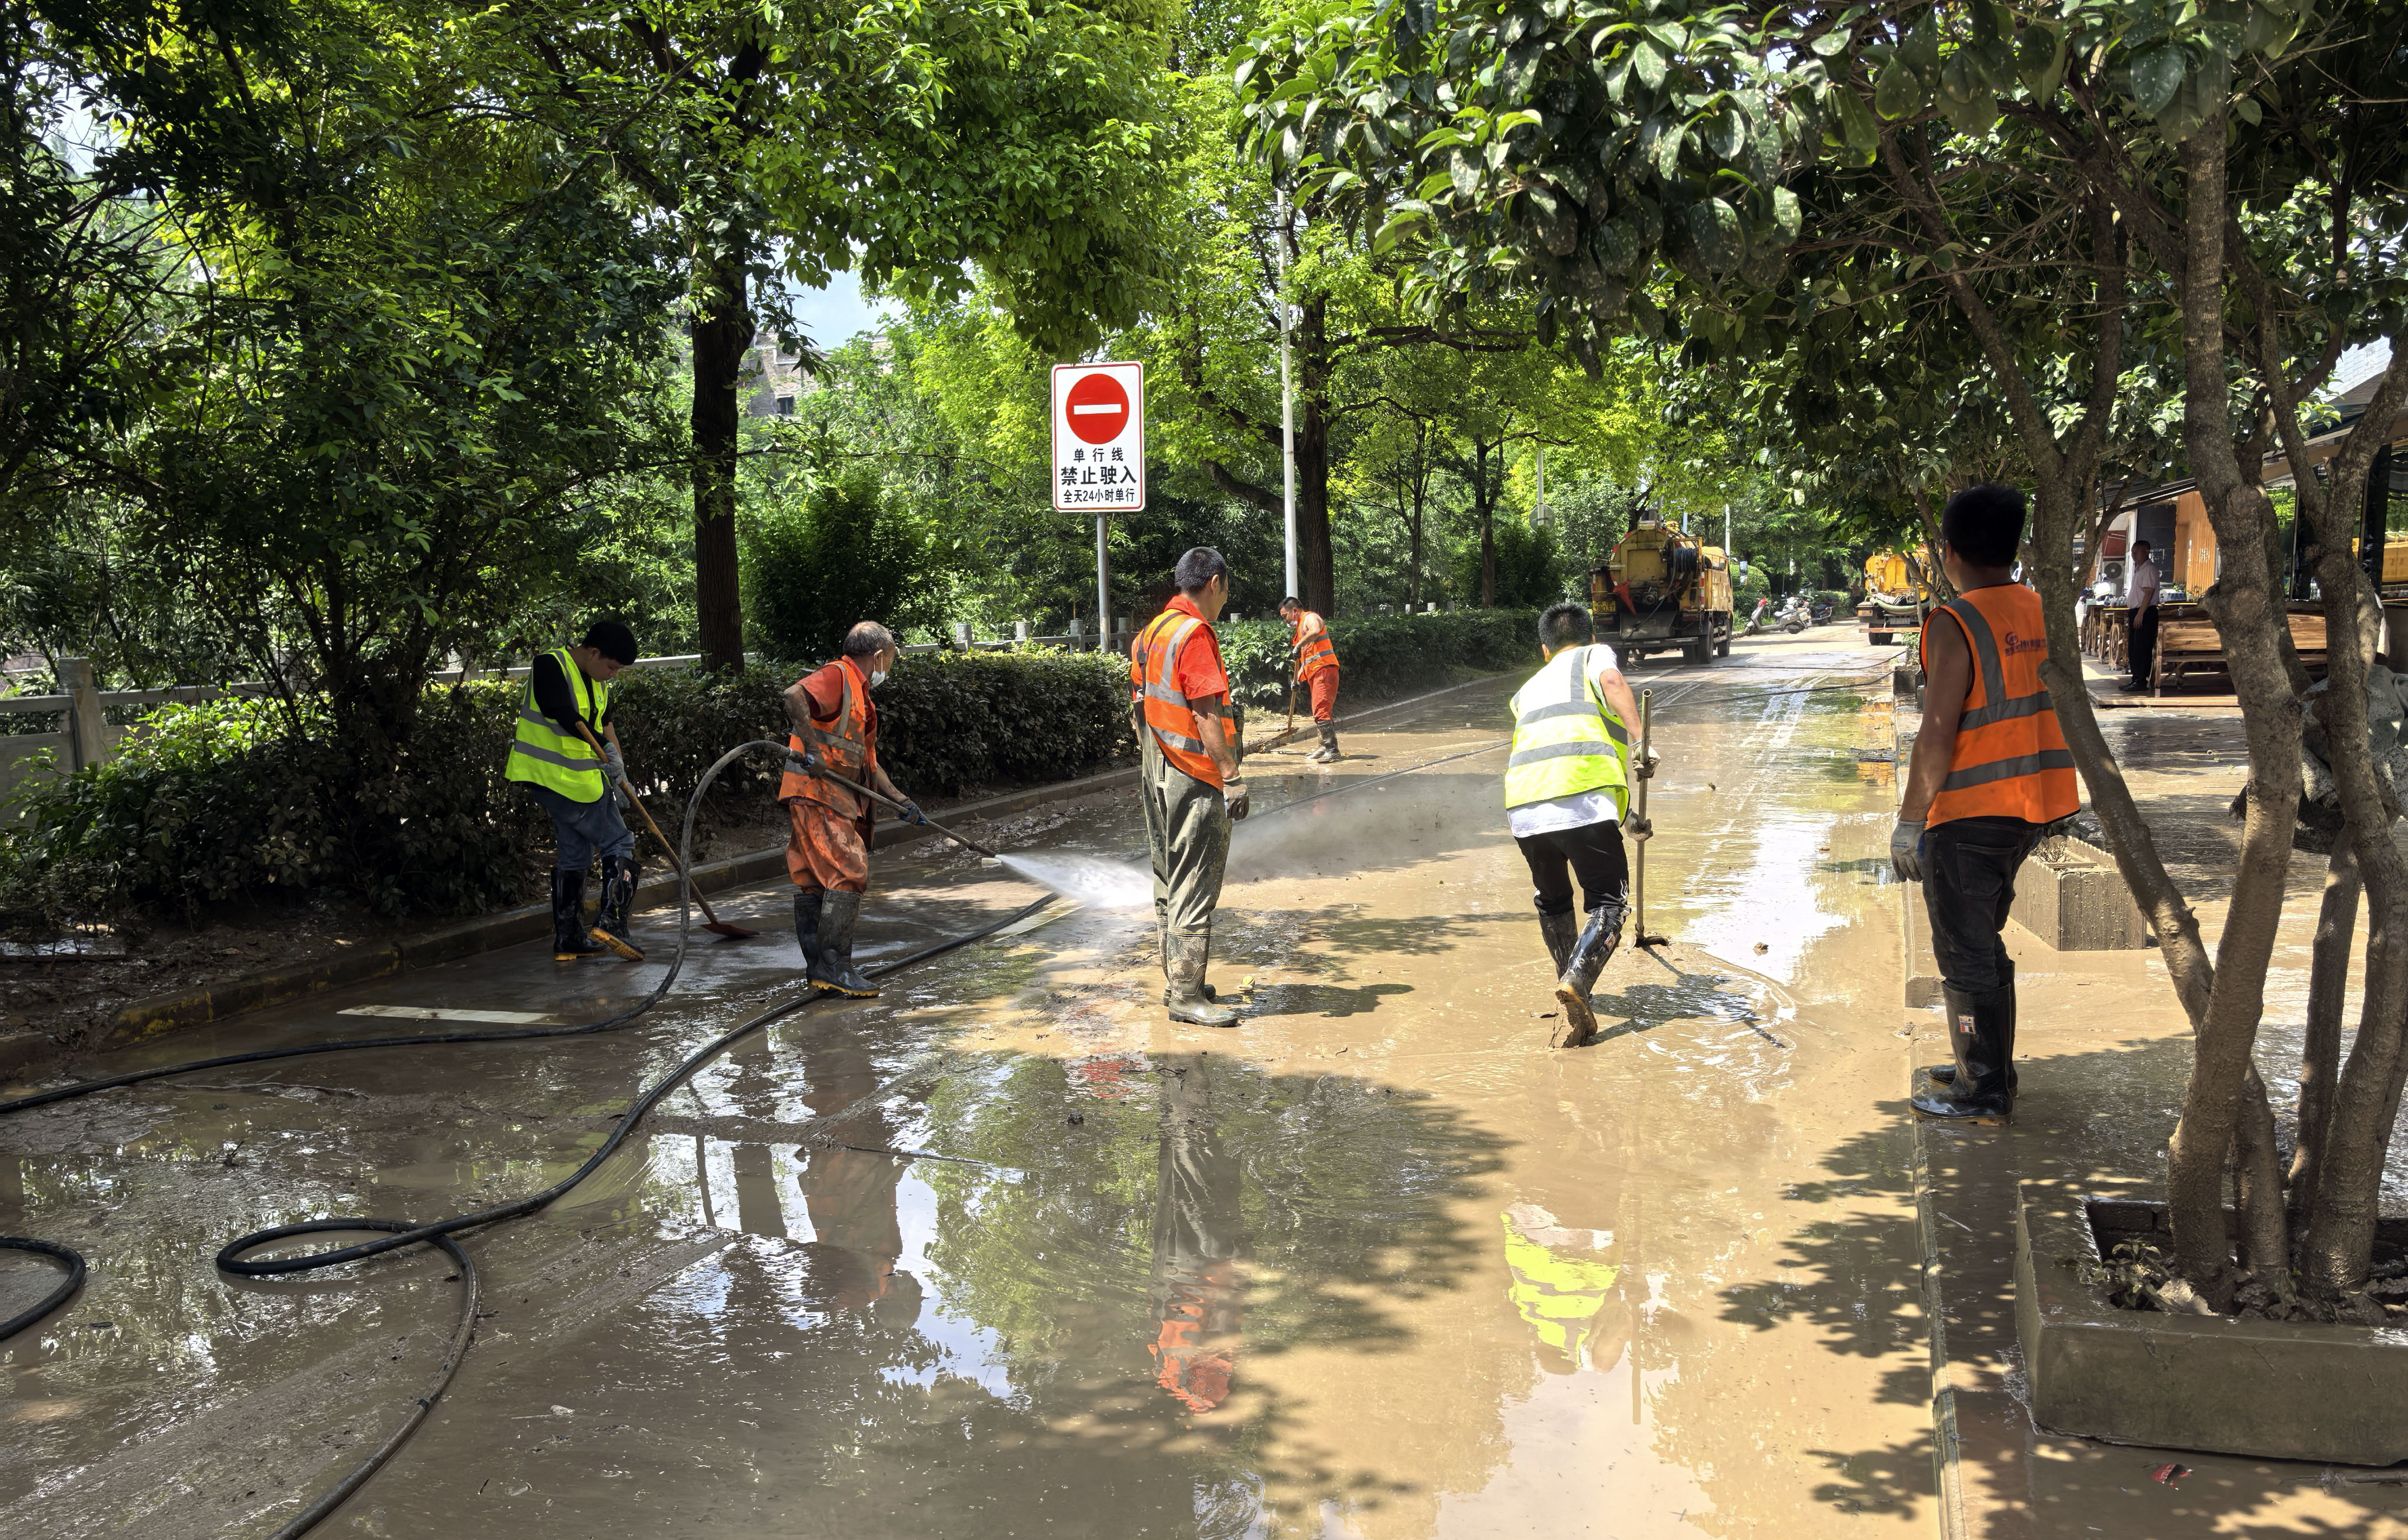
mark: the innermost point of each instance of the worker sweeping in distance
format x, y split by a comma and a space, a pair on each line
827, 851
1990, 773
1189, 780
567, 702
1316, 669
1566, 801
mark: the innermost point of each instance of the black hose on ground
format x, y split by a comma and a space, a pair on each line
394, 1233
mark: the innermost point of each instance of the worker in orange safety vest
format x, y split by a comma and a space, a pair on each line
828, 848
1188, 777
1316, 668
1990, 773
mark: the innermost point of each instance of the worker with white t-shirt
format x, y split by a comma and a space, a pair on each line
1567, 799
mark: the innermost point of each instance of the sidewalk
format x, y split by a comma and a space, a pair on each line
2104, 1051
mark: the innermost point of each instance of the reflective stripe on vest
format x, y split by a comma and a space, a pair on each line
550, 754
843, 746
2009, 760
1566, 739
1314, 652
1154, 684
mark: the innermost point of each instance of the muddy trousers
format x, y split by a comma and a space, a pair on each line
1187, 834
583, 829
1969, 885
1593, 852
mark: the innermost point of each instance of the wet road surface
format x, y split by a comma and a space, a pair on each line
1005, 1252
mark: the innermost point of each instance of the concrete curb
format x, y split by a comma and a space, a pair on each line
159, 1015
1947, 1450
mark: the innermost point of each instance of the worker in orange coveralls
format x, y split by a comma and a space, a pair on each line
828, 853
1200, 1245
1316, 668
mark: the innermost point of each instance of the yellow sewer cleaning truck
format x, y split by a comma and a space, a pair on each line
1662, 592
1896, 597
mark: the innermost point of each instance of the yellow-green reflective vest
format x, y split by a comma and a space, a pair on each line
1559, 1297
550, 754
1566, 739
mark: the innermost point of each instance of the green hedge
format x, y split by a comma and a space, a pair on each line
1381, 657
220, 802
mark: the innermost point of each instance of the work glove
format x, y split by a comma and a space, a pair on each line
1644, 769
911, 813
1641, 830
1906, 850
1234, 794
802, 763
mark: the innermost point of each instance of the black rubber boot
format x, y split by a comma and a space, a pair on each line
1946, 1073
1162, 941
1590, 954
1977, 1031
1188, 956
618, 897
1327, 753
1562, 932
570, 943
840, 911
807, 925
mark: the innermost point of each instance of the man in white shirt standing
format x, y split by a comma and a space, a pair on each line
2140, 593
1566, 797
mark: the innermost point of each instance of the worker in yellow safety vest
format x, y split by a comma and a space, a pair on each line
1316, 669
1568, 800
566, 708
1990, 773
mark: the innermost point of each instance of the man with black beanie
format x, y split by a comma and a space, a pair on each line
564, 714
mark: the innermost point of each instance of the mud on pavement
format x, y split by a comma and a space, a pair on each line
1003, 1251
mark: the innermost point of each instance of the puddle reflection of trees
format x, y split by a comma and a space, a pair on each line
1203, 1214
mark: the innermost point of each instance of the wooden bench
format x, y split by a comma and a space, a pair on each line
2189, 647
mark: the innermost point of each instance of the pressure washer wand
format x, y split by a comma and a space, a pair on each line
1643, 773
811, 763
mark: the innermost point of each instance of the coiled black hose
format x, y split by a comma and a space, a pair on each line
394, 1233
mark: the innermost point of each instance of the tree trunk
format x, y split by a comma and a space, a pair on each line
723, 330
2246, 619
2366, 1100
1317, 569
2320, 1052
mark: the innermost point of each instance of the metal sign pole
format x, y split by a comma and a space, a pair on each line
1103, 583
1646, 772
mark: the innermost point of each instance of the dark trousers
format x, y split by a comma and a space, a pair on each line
2145, 645
1593, 851
1969, 885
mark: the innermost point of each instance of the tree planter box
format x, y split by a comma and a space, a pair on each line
2275, 1389
2072, 897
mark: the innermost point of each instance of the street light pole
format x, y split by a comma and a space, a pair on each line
1287, 394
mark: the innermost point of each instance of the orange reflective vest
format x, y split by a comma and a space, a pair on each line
1312, 647
1153, 682
843, 746
2011, 760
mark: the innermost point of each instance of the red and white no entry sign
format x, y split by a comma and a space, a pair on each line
1098, 408
1099, 437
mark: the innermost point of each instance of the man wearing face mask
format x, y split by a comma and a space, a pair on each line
827, 854
1189, 780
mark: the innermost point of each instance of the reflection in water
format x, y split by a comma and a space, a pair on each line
1568, 1299
857, 1236
1199, 1244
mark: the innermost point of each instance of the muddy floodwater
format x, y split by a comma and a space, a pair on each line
1003, 1252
